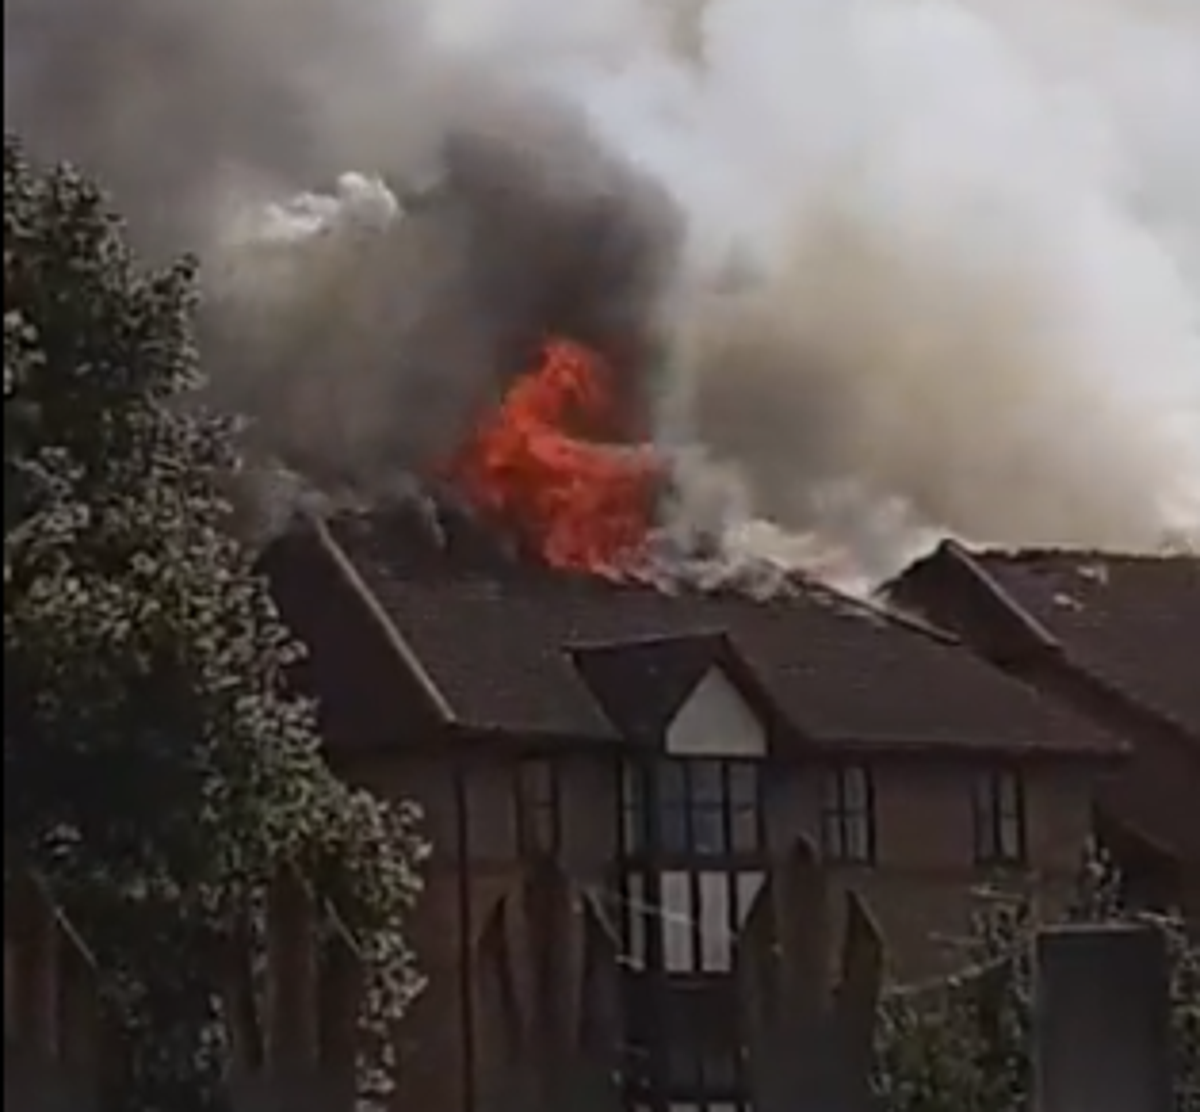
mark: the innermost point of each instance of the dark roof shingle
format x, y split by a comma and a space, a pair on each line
1131, 620
498, 647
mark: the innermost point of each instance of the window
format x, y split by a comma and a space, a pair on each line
848, 815
694, 845
700, 808
686, 922
999, 814
536, 800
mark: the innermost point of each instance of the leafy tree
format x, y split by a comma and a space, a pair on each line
158, 770
964, 1043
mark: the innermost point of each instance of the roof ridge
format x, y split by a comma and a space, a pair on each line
502, 658
1048, 554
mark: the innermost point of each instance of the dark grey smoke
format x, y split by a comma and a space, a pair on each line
172, 102
376, 360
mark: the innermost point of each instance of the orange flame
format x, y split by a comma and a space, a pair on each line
537, 465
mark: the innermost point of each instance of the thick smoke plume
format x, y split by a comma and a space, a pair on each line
388, 231
873, 268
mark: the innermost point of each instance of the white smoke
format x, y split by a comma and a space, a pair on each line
974, 230
941, 260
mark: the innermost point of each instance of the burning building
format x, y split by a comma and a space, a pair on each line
519, 668
523, 299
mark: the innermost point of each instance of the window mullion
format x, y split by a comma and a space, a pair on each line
761, 826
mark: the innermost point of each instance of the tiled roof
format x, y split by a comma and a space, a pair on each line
497, 645
1132, 620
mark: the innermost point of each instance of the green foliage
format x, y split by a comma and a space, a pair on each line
963, 1043
157, 768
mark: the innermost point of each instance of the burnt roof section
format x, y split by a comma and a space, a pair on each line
1131, 620
497, 643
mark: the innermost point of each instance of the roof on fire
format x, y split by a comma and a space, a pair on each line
1131, 621
499, 651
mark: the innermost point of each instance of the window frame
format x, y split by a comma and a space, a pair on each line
842, 817
1000, 817
644, 834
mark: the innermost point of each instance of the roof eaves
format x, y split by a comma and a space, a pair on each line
1100, 748
536, 738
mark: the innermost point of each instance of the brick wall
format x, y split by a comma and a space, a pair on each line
919, 890
443, 1036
